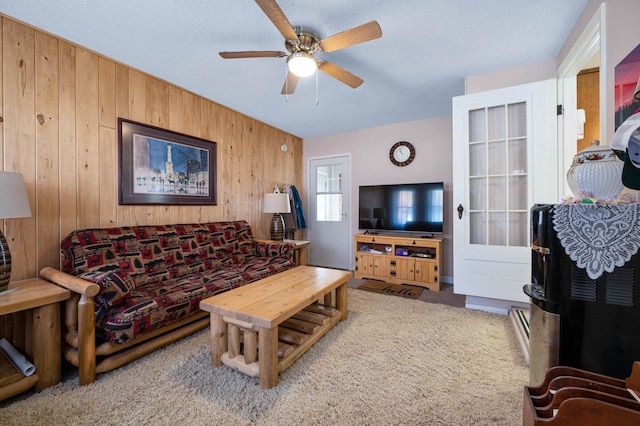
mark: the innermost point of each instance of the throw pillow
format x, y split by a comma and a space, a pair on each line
114, 287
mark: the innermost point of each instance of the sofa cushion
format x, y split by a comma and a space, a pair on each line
153, 305
232, 241
260, 267
157, 253
114, 286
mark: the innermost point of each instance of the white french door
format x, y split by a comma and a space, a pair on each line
505, 159
329, 203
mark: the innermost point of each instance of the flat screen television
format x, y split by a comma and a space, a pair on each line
409, 207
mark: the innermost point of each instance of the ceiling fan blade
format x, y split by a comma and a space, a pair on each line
253, 54
356, 35
275, 14
290, 84
340, 74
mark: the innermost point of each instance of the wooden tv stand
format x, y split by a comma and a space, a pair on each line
382, 257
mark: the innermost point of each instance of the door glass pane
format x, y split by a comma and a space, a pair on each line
498, 180
329, 178
329, 193
517, 197
477, 125
517, 156
478, 227
497, 158
496, 123
477, 193
497, 229
517, 120
329, 207
477, 159
497, 196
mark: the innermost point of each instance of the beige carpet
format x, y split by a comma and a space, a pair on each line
394, 361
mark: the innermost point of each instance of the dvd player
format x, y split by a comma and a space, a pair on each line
422, 255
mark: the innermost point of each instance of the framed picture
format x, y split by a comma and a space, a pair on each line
627, 86
159, 166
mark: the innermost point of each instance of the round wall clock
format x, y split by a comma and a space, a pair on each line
402, 153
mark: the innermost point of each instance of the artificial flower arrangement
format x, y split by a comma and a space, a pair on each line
588, 198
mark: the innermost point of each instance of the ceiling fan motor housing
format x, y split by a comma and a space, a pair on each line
308, 41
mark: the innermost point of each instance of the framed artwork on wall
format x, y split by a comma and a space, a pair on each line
159, 166
627, 86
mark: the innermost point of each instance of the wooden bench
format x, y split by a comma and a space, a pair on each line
262, 328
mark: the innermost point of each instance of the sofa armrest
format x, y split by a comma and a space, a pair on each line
75, 284
273, 249
80, 321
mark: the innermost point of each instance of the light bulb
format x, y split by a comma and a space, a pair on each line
302, 64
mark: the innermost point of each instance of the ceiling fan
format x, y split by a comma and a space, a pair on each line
302, 43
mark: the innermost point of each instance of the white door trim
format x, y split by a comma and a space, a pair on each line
591, 41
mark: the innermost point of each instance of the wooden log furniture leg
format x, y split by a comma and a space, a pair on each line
250, 346
219, 340
268, 359
47, 345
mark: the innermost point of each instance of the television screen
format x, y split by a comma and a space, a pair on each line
411, 207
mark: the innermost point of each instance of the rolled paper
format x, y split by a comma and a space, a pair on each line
18, 359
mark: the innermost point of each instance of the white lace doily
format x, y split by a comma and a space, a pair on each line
598, 237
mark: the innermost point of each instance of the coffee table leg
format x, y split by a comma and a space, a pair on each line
341, 300
268, 357
219, 342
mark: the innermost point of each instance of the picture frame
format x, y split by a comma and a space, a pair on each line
627, 87
162, 167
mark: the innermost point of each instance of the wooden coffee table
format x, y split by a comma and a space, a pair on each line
262, 328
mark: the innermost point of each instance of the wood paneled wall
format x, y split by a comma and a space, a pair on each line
58, 120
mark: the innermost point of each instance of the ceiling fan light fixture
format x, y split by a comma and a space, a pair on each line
302, 64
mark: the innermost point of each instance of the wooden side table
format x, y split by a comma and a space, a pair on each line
39, 301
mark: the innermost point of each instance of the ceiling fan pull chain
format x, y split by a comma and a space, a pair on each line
286, 83
317, 87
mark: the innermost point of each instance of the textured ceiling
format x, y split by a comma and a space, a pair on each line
426, 50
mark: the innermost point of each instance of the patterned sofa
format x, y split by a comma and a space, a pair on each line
138, 288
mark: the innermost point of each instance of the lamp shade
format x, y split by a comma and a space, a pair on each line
13, 204
276, 202
13, 196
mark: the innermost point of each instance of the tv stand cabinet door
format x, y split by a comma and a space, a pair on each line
405, 269
372, 266
427, 273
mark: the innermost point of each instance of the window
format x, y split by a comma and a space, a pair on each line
329, 193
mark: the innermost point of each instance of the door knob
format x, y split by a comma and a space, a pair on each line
460, 210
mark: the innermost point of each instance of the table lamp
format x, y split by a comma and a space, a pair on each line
13, 204
276, 203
